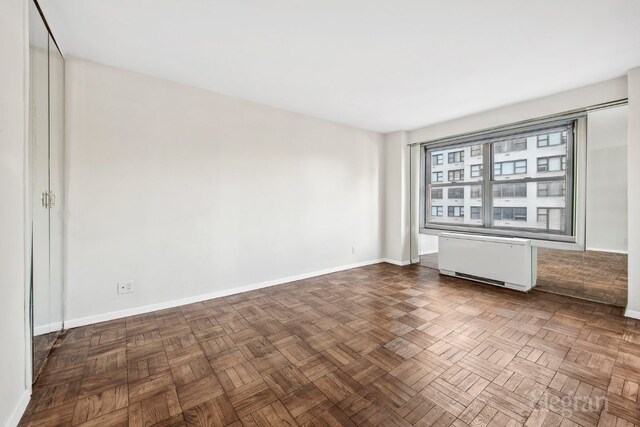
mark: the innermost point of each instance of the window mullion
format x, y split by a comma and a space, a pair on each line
487, 157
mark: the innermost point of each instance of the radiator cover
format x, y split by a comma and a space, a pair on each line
501, 261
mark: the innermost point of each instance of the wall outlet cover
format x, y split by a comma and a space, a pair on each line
126, 287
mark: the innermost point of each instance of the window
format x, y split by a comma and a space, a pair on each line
552, 164
476, 192
456, 193
456, 157
551, 189
551, 218
509, 191
475, 212
436, 159
510, 168
551, 139
456, 211
510, 214
476, 171
456, 175
527, 169
508, 146
436, 210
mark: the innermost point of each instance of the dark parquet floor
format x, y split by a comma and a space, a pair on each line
375, 346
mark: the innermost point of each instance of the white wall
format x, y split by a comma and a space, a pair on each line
396, 198
187, 192
606, 218
633, 300
13, 357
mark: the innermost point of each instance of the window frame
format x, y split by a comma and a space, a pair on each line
575, 126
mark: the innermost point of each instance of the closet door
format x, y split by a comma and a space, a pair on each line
56, 186
39, 183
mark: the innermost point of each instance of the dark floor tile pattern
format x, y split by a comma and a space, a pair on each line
379, 345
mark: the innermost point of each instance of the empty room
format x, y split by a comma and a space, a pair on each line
320, 213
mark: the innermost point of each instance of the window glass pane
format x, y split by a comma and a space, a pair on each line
459, 205
456, 165
527, 182
530, 201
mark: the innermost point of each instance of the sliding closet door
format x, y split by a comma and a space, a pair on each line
39, 182
56, 185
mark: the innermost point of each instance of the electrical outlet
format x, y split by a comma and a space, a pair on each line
126, 287
353, 249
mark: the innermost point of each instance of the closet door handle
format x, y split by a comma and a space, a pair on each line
52, 199
44, 197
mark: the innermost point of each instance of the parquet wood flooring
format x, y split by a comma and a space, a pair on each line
375, 346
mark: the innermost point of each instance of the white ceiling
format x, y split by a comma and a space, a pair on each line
377, 64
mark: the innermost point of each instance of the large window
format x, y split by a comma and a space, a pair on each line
520, 183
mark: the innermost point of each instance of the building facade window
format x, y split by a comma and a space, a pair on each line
551, 218
455, 211
513, 167
509, 191
519, 144
456, 157
476, 171
551, 189
456, 193
476, 212
437, 159
456, 175
436, 211
552, 164
524, 168
476, 191
551, 139
510, 214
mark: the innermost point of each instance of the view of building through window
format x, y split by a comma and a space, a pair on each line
528, 181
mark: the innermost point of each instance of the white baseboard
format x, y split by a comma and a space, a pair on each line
88, 320
634, 314
612, 251
17, 413
45, 329
434, 251
396, 262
